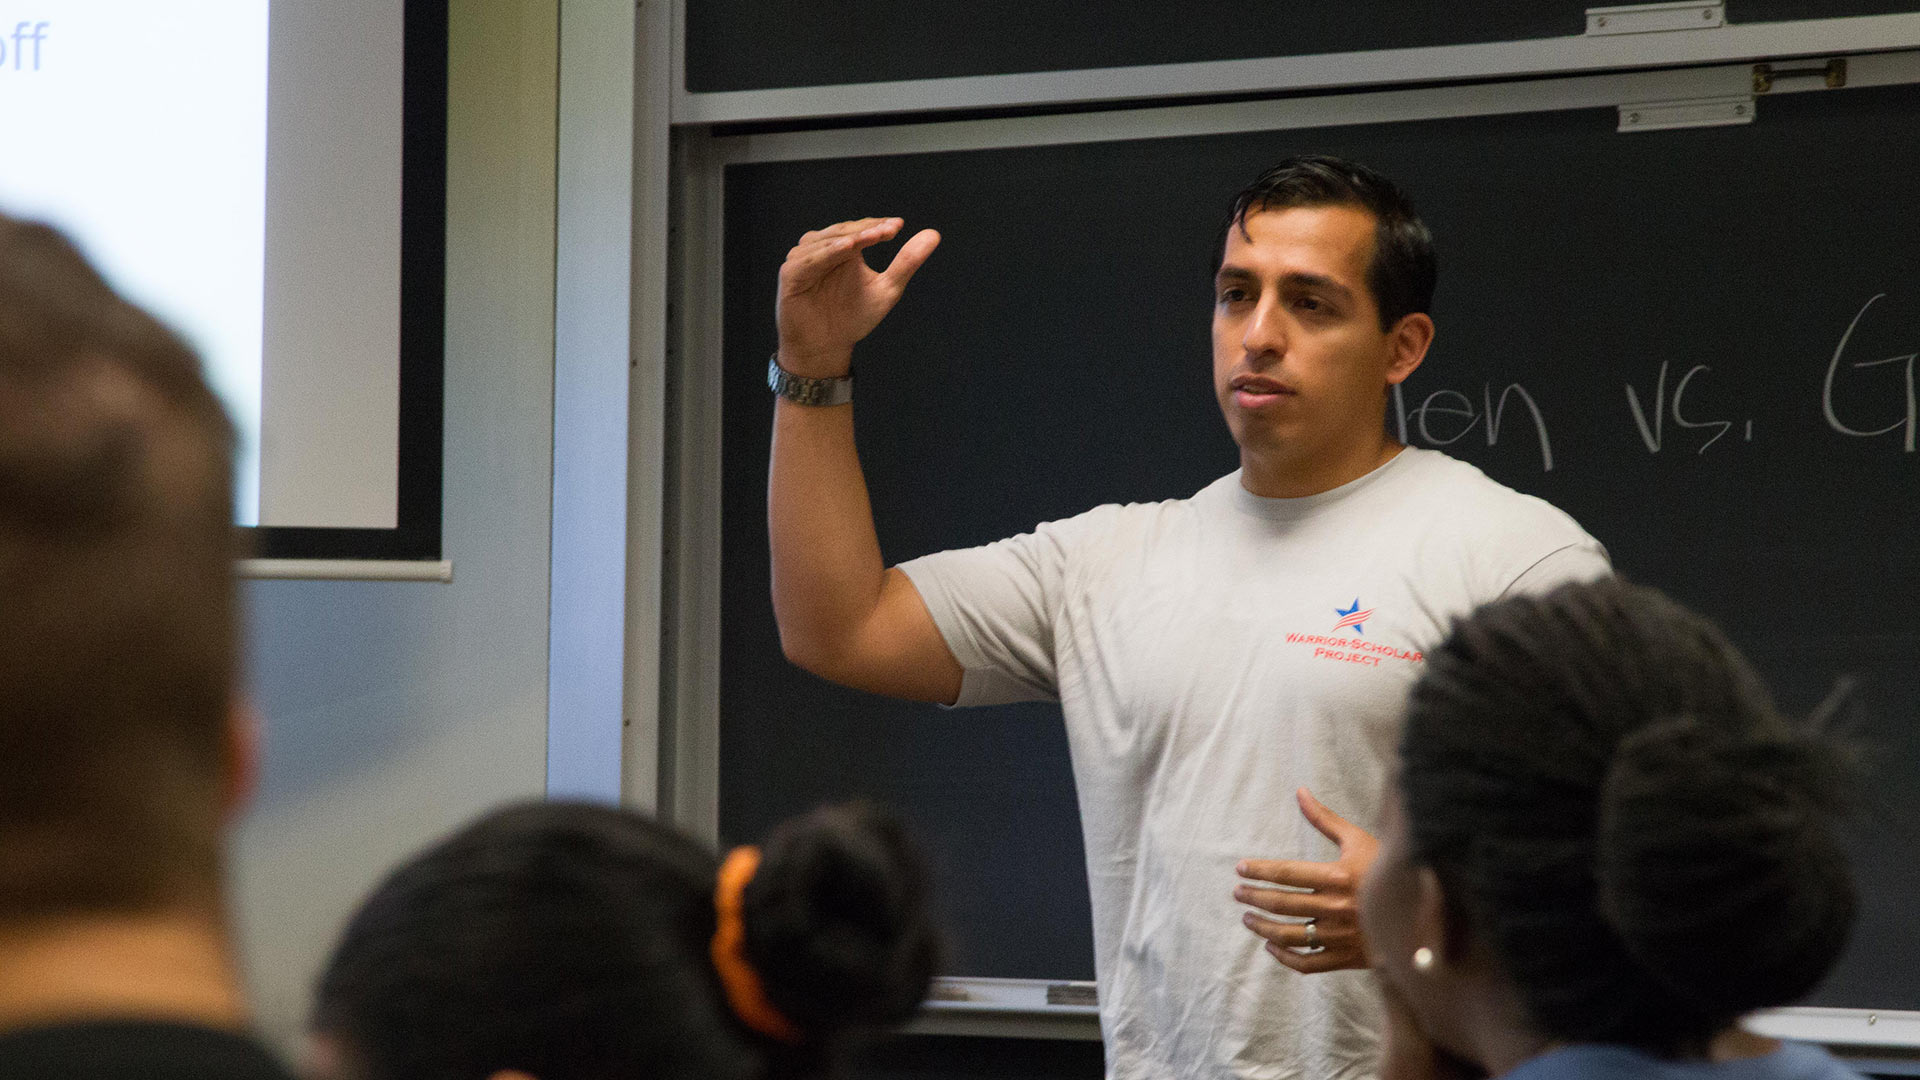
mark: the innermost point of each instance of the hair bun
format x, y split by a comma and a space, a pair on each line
1718, 864
838, 921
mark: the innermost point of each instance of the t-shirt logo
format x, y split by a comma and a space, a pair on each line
1352, 616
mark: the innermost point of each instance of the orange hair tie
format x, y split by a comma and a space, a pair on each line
745, 992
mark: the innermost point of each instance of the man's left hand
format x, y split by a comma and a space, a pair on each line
1331, 936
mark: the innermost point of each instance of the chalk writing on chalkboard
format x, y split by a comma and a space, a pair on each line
1653, 432
1907, 423
1459, 417
1447, 416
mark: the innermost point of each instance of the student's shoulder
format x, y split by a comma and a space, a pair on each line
159, 1050
1803, 1061
1792, 1061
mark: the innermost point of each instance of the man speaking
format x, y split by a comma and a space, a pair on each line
1215, 657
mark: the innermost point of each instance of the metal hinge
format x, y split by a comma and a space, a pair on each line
1834, 72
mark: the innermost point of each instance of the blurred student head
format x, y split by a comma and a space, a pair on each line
579, 942
1603, 831
120, 752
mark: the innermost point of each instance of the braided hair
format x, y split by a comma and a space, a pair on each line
571, 941
1617, 809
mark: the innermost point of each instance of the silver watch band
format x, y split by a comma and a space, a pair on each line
808, 391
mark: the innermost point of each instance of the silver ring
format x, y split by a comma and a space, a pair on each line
1313, 935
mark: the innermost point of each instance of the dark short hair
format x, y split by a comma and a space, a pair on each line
572, 941
117, 594
1613, 803
1403, 270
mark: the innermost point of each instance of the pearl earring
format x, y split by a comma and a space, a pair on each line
1423, 959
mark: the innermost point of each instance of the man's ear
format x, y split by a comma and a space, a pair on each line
240, 758
1410, 339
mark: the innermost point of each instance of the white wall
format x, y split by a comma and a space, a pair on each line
395, 711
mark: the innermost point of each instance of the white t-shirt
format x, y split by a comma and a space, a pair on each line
1211, 655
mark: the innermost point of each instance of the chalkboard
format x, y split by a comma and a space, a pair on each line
767, 44
1674, 305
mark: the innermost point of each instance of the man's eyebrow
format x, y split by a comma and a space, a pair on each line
1317, 281
1233, 273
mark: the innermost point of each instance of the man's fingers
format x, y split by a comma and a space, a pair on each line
1300, 875
843, 228
911, 256
1314, 963
807, 265
814, 259
1295, 904
837, 238
1342, 937
1331, 825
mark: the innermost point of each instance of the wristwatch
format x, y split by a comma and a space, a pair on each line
808, 391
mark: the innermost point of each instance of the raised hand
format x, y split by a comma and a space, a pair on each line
830, 298
1331, 934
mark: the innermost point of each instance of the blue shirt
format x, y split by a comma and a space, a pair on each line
1793, 1061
